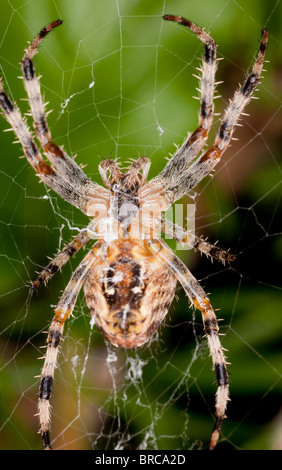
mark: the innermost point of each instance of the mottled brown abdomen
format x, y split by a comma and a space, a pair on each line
129, 293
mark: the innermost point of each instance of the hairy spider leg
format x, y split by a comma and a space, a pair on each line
69, 171
81, 240
194, 144
205, 163
46, 172
62, 312
186, 237
200, 300
32, 85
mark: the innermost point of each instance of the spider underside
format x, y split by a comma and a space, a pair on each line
130, 275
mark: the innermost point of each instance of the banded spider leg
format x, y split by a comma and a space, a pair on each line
200, 300
62, 312
178, 178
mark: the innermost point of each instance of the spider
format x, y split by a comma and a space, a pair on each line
129, 276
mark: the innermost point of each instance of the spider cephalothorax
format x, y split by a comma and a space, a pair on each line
130, 274
124, 186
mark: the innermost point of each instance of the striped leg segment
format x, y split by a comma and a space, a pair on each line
62, 258
64, 176
65, 165
32, 84
200, 300
218, 359
46, 172
241, 98
63, 311
15, 119
47, 375
194, 144
13, 116
182, 236
206, 162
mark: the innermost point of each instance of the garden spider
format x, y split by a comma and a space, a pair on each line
129, 276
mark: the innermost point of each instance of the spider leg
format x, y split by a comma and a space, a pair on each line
63, 311
65, 177
200, 300
46, 172
194, 144
82, 239
206, 162
186, 237
65, 165
13, 116
33, 87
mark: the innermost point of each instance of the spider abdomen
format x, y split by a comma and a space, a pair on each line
130, 294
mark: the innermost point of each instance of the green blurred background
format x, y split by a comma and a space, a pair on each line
119, 81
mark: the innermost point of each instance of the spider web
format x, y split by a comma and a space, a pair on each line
120, 83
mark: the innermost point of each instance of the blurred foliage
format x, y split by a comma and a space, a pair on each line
120, 83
